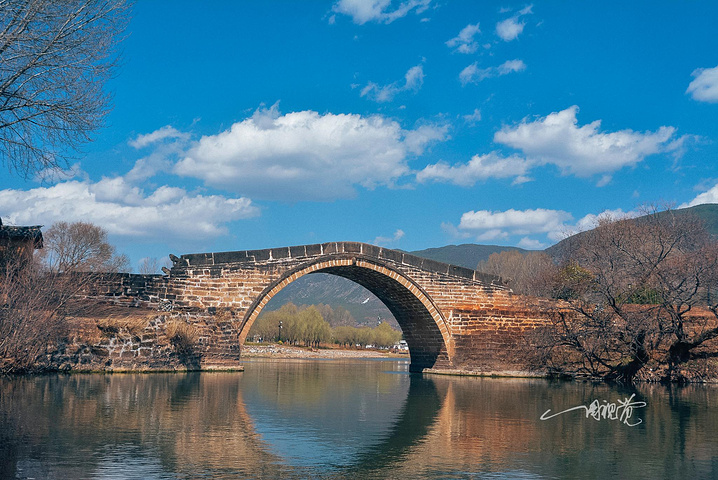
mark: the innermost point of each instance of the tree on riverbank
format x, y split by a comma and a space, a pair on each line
36, 292
527, 273
292, 325
632, 290
31, 316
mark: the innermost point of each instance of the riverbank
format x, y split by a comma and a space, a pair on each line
288, 351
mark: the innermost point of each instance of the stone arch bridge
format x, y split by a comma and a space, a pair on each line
454, 319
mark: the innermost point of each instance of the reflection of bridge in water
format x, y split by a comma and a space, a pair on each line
453, 318
200, 422
216, 425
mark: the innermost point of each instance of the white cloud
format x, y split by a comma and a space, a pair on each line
512, 27
509, 29
305, 155
486, 224
704, 87
416, 140
381, 241
473, 118
528, 9
160, 159
510, 66
465, 42
709, 196
158, 135
150, 166
590, 221
413, 80
469, 73
125, 210
474, 74
363, 11
604, 180
583, 150
531, 244
480, 167
54, 175
492, 235
168, 144
555, 225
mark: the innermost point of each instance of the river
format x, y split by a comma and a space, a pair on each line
350, 419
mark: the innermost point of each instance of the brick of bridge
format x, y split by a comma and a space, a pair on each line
454, 319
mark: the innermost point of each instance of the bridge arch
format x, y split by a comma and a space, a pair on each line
425, 329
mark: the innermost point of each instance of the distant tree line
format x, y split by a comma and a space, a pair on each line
309, 326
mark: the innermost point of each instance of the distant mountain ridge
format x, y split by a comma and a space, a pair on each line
465, 255
707, 212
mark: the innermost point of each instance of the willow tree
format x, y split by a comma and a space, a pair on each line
55, 58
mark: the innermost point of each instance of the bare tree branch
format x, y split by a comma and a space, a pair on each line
55, 57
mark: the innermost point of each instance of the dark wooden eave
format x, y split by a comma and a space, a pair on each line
18, 234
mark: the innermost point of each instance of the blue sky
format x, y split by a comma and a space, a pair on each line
414, 124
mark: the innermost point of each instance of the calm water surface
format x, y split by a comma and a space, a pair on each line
346, 419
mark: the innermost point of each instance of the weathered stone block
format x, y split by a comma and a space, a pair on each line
231, 257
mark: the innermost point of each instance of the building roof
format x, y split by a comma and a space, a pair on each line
11, 233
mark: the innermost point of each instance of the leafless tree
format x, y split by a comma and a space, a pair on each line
81, 247
31, 318
55, 57
152, 265
632, 288
38, 292
527, 274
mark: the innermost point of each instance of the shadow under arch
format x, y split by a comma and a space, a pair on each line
425, 329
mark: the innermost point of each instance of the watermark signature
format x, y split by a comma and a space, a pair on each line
621, 410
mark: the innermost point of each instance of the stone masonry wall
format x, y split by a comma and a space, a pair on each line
117, 337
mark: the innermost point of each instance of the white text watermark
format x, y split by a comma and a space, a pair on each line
621, 410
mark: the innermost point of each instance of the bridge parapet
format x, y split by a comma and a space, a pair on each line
302, 252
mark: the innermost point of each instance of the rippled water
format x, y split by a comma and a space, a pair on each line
346, 419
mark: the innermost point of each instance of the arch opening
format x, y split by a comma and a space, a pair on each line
350, 304
424, 328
